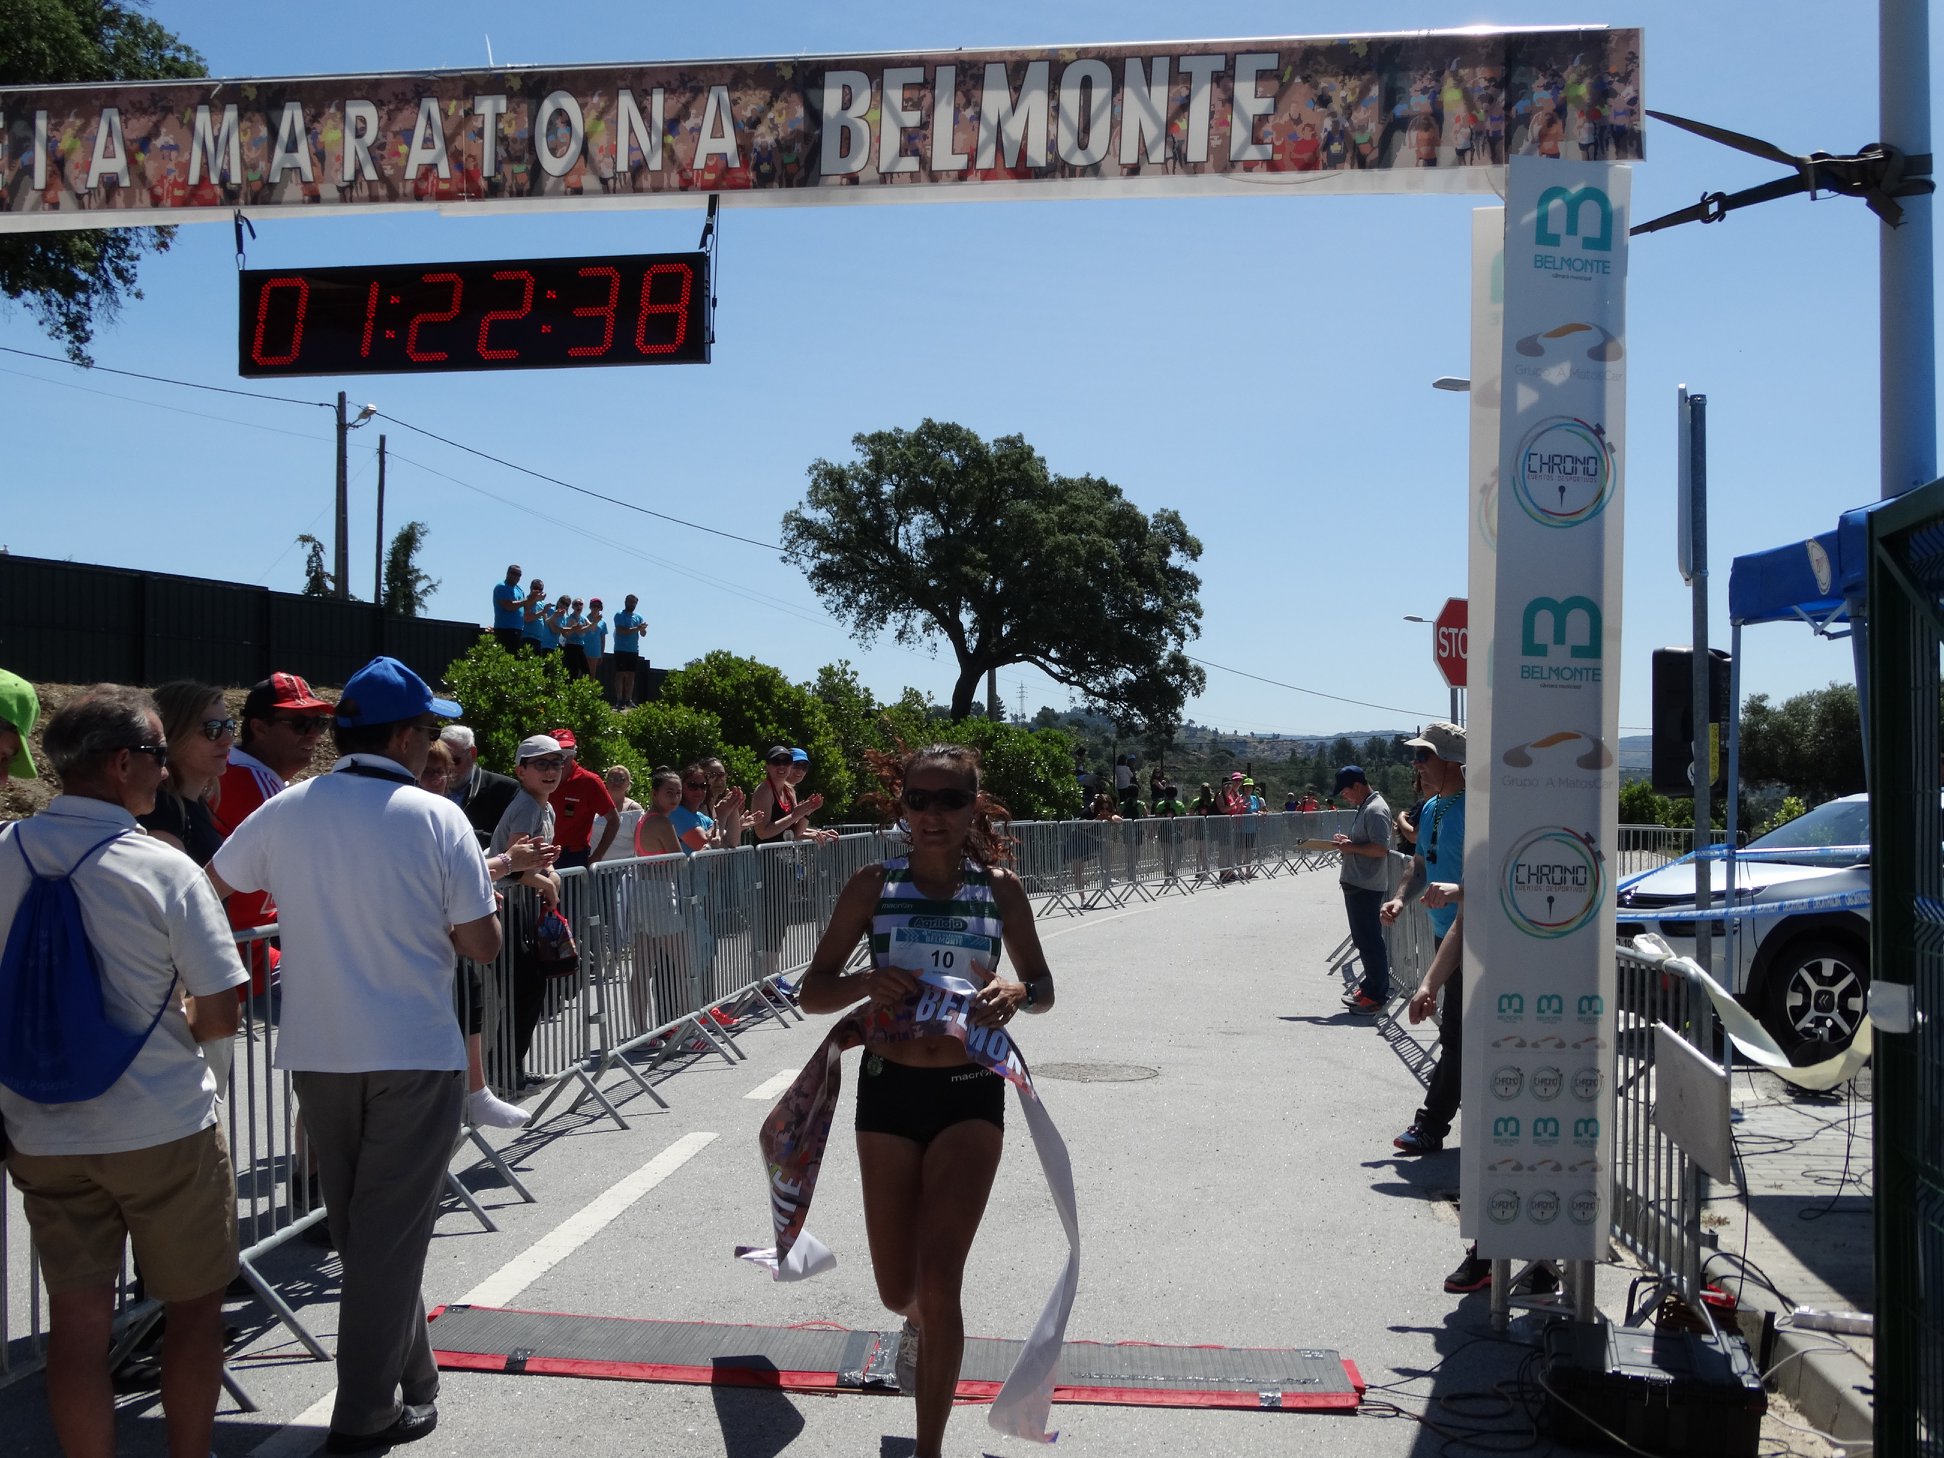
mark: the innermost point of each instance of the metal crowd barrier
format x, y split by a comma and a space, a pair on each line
1657, 1188
677, 954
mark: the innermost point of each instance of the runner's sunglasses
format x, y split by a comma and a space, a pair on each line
923, 800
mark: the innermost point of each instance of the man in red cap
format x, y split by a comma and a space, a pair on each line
282, 720
580, 797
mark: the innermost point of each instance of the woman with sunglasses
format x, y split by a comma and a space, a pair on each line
538, 765
930, 1122
199, 731
696, 828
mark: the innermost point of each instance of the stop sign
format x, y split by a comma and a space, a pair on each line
1449, 641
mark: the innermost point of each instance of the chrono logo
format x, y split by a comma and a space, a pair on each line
1564, 473
1553, 882
1502, 1206
1542, 1206
1507, 1082
1583, 1207
1545, 1084
1605, 349
1586, 1084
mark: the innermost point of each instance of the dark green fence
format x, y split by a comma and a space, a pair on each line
1906, 626
72, 622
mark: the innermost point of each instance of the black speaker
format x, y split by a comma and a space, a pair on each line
1673, 754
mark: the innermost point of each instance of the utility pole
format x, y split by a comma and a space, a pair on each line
341, 558
378, 578
1906, 302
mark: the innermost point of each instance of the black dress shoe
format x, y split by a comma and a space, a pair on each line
408, 1427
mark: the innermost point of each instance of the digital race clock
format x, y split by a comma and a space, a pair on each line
429, 317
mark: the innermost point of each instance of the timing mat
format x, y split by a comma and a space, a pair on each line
823, 1358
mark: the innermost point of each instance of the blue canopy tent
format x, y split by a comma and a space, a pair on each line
1822, 582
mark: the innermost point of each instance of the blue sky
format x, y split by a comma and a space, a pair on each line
1261, 364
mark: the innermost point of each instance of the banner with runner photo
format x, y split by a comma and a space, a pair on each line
1429, 111
1538, 1014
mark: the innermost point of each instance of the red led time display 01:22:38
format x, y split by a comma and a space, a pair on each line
429, 318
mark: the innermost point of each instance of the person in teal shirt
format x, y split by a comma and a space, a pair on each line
627, 651
509, 610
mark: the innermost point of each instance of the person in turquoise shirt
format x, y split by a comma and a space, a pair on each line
509, 615
627, 651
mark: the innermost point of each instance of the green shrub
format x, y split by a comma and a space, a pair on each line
674, 735
509, 696
1788, 810
757, 707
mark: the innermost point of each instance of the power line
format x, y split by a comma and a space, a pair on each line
1314, 693
165, 380
570, 486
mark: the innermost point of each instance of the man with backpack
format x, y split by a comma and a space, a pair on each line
109, 1103
377, 885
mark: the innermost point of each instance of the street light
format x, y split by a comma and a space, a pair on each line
1451, 382
1429, 622
343, 553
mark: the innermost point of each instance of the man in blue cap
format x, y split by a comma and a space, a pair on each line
377, 884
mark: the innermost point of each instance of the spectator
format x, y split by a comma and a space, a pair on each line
197, 727
619, 779
551, 620
571, 628
1289, 803
1086, 841
144, 1161
539, 765
482, 1109
282, 720
594, 638
579, 800
508, 610
1168, 809
1436, 873
1364, 850
377, 885
774, 810
1309, 804
19, 708
533, 617
1407, 820
627, 651
800, 767
693, 827
475, 789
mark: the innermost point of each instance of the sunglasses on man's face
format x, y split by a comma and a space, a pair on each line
304, 726
923, 800
1424, 756
157, 752
544, 764
213, 729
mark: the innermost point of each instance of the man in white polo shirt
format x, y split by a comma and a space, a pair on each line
377, 884
145, 1159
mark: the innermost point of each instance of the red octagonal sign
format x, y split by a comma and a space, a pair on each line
1449, 641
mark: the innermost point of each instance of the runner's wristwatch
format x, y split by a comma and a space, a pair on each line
1032, 993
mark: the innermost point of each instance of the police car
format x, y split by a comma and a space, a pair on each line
1804, 972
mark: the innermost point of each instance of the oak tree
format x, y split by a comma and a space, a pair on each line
936, 531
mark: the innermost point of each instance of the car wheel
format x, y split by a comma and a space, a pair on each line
1814, 995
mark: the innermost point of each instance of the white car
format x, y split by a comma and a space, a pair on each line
1804, 973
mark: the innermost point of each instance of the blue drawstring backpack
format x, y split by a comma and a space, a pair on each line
57, 1044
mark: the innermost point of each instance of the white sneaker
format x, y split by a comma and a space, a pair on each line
907, 1360
486, 1111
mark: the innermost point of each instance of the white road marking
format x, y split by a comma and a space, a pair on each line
583, 1225
305, 1432
770, 1088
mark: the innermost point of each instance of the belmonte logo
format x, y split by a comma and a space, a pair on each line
1571, 205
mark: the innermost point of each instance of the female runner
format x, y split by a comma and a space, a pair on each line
930, 1121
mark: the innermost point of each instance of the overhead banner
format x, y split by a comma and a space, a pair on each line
1539, 1024
1426, 112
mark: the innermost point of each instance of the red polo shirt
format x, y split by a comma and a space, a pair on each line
582, 796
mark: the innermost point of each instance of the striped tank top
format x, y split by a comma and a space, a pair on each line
940, 938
